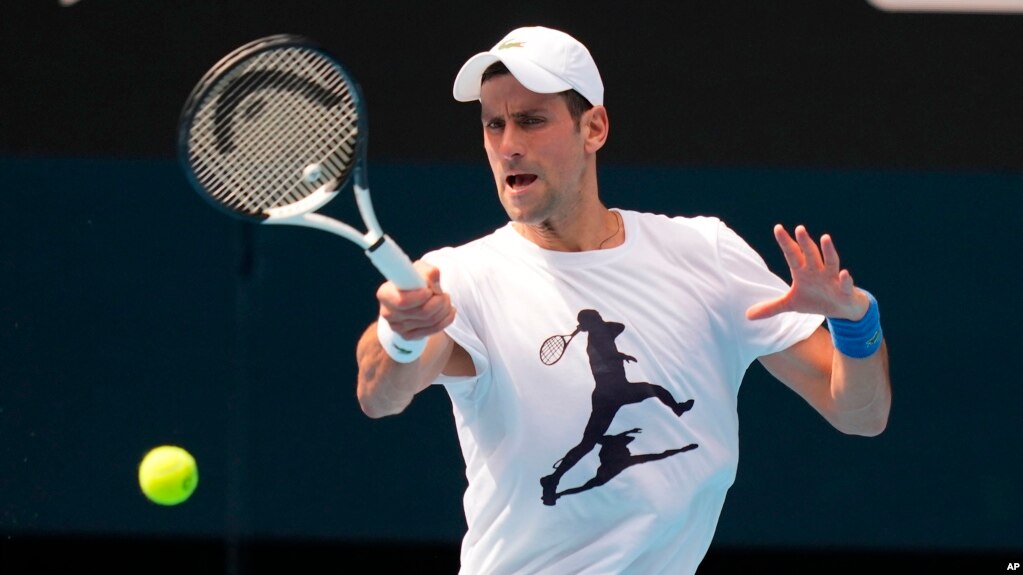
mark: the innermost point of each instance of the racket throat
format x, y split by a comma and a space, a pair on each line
376, 244
310, 203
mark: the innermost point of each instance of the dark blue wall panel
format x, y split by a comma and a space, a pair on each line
134, 314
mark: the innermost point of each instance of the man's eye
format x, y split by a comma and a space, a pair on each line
495, 125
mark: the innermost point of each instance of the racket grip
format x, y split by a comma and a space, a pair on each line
394, 264
400, 349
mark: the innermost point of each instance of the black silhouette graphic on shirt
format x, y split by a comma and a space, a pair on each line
615, 457
611, 392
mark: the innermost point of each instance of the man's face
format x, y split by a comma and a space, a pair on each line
536, 151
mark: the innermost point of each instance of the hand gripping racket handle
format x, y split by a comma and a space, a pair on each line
396, 266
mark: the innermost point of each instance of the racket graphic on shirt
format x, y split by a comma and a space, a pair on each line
273, 132
554, 347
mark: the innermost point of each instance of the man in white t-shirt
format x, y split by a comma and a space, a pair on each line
593, 356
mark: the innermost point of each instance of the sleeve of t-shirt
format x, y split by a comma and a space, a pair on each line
455, 281
750, 281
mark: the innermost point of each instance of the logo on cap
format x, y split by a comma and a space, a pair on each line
511, 44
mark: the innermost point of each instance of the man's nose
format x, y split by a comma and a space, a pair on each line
511, 145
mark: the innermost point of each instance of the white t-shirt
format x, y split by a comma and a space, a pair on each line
673, 297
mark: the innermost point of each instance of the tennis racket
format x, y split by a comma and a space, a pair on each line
554, 347
274, 131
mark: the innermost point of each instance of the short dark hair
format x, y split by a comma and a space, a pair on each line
577, 104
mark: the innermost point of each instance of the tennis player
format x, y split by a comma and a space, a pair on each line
615, 458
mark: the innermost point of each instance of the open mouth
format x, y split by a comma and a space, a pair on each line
518, 181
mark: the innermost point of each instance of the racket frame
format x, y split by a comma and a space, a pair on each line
566, 339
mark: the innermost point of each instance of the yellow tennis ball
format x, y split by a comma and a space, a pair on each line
168, 475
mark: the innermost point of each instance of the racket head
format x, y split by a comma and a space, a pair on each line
553, 348
273, 129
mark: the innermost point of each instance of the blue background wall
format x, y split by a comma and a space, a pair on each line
132, 314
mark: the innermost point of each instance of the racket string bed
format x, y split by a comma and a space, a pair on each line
223, 179
336, 147
242, 178
552, 349
291, 173
290, 116
255, 147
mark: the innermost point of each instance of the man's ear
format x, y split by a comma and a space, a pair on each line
595, 126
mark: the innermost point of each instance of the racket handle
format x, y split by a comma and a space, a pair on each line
394, 264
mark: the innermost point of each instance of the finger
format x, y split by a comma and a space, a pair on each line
425, 331
789, 247
396, 305
831, 261
431, 274
845, 281
435, 309
411, 299
386, 294
768, 308
430, 313
811, 255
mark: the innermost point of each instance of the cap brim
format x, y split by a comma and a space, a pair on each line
467, 82
533, 77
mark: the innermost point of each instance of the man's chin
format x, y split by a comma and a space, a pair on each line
522, 217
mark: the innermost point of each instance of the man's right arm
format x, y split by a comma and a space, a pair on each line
385, 386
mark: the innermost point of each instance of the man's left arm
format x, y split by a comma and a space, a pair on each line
843, 373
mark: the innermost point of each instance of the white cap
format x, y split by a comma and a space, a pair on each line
543, 60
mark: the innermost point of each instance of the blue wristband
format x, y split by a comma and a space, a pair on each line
861, 338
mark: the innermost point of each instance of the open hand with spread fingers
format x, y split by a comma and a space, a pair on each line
819, 284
